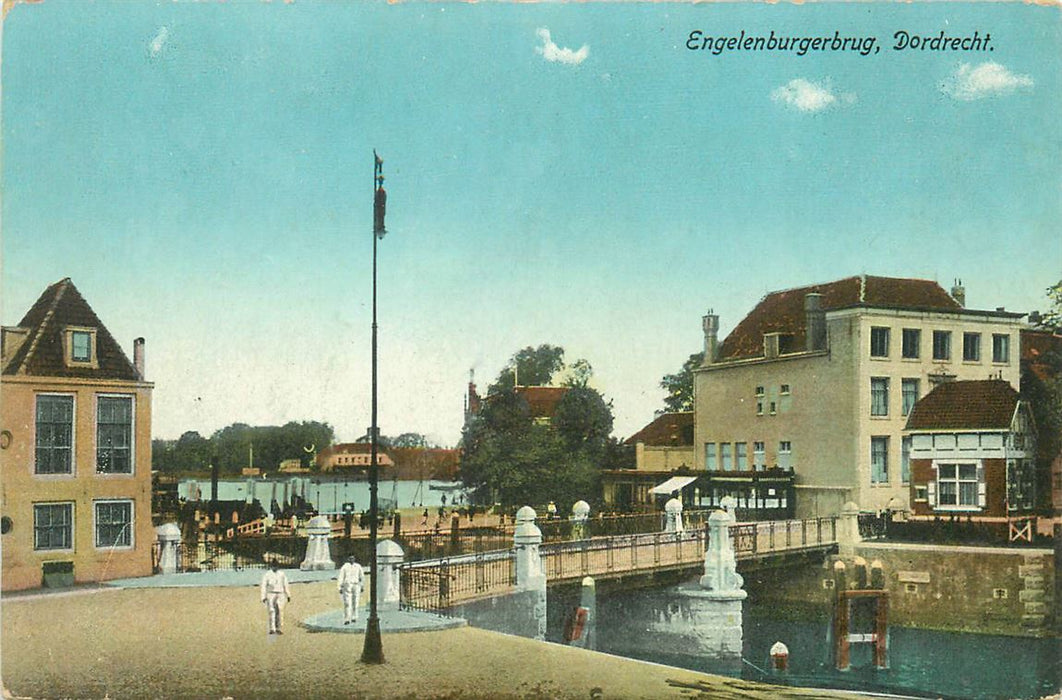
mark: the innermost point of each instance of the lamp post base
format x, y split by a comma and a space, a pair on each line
372, 653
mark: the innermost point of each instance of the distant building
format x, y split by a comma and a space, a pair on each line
291, 466
75, 464
1041, 357
972, 451
542, 401
662, 447
424, 463
820, 380
352, 457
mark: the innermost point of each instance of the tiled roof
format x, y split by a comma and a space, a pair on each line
783, 312
968, 405
666, 430
414, 463
41, 354
542, 400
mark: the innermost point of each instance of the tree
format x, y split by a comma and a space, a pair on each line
530, 367
510, 458
679, 386
1052, 319
1041, 389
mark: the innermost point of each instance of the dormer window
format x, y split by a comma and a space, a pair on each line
80, 347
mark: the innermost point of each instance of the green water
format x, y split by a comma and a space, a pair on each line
922, 663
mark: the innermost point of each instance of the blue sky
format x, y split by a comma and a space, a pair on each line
557, 173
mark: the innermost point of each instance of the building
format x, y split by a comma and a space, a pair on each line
75, 468
541, 401
661, 448
352, 457
820, 380
972, 451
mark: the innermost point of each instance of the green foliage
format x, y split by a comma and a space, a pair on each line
509, 458
232, 446
1052, 318
530, 367
679, 386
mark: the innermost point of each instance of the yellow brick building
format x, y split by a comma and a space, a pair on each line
75, 448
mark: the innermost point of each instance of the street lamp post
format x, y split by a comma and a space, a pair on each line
373, 650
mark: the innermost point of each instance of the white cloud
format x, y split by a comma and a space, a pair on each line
555, 54
159, 41
807, 96
974, 82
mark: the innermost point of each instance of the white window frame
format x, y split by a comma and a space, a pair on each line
905, 460
979, 480
132, 435
68, 347
1005, 345
741, 456
880, 333
945, 337
785, 447
96, 523
72, 471
905, 384
72, 526
726, 456
874, 476
879, 397
759, 456
711, 457
911, 351
971, 347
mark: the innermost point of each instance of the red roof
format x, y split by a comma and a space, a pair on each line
783, 312
986, 404
666, 430
542, 400
41, 354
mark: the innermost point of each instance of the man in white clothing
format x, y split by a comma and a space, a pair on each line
274, 594
351, 577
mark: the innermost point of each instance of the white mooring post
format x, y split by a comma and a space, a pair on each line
580, 514
169, 538
673, 511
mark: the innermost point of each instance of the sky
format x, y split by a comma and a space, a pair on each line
570, 174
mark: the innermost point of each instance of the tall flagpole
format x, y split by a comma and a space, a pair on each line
372, 652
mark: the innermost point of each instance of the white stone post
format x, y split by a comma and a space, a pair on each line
848, 530
530, 576
169, 538
673, 511
318, 556
580, 514
388, 556
588, 601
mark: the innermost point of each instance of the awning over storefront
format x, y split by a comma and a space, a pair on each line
675, 483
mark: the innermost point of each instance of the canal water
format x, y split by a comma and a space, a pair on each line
923, 663
326, 495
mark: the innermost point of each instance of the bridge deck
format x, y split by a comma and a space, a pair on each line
439, 584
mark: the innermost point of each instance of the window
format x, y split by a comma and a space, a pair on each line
114, 523
81, 346
941, 345
114, 435
879, 460
957, 485
709, 456
741, 456
879, 341
774, 408
912, 344
55, 434
1000, 348
784, 390
909, 394
53, 526
905, 460
785, 454
759, 391
971, 347
759, 408
724, 457
879, 396
759, 457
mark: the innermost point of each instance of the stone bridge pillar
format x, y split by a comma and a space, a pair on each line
318, 556
169, 538
848, 530
673, 512
580, 514
530, 576
388, 557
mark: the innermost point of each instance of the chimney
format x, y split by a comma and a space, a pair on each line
958, 293
815, 318
1035, 318
710, 323
138, 357
214, 484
